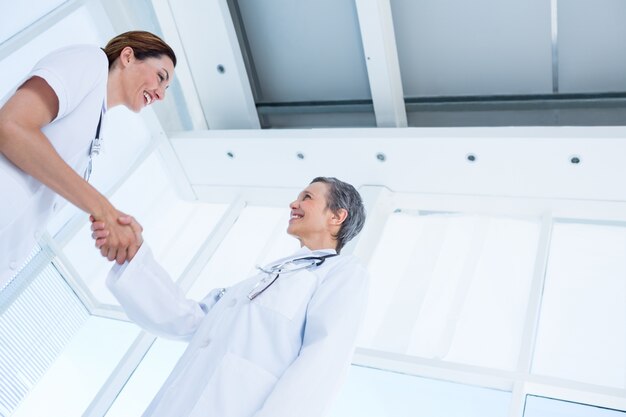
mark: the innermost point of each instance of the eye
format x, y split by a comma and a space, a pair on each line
161, 78
306, 196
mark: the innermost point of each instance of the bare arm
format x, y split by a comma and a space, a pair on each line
22, 142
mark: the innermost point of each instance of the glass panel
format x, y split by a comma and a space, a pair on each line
482, 47
591, 47
258, 237
173, 228
78, 25
36, 324
147, 379
451, 287
376, 393
548, 407
74, 379
304, 51
16, 16
582, 328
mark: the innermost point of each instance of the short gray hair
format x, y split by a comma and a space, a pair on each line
342, 195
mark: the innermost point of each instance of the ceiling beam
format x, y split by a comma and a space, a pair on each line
381, 57
210, 43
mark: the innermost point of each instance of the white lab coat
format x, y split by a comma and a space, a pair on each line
283, 354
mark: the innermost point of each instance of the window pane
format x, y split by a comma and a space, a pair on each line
375, 393
258, 237
34, 330
582, 328
591, 58
174, 228
430, 54
147, 379
451, 287
544, 407
74, 379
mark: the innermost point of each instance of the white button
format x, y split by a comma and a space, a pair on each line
205, 342
13, 265
54, 207
232, 303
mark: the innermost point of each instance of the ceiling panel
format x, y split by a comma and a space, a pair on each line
482, 47
304, 51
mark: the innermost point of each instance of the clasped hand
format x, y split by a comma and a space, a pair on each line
117, 240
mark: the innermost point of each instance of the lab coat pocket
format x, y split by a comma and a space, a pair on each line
289, 295
237, 388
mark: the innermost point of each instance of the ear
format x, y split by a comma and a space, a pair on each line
339, 217
127, 56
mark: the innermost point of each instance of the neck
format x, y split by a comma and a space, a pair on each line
114, 93
318, 244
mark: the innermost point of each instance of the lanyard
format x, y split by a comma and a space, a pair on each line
285, 267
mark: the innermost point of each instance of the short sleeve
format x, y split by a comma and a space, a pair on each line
72, 73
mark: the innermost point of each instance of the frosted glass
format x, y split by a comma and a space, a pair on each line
174, 228
147, 379
74, 379
548, 407
483, 47
451, 287
305, 51
256, 238
375, 393
582, 327
591, 46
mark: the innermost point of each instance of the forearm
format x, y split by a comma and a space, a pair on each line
31, 151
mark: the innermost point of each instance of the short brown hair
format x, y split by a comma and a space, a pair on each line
144, 44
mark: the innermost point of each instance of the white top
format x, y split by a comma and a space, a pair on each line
78, 75
283, 354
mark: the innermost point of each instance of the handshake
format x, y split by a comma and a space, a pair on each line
117, 240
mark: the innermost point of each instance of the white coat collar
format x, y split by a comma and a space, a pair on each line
303, 251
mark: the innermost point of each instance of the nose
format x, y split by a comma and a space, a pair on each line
293, 205
160, 93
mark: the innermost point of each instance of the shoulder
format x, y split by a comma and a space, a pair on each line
85, 57
347, 266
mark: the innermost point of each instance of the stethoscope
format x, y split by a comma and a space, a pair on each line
285, 267
95, 147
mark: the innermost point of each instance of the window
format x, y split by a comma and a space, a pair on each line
452, 287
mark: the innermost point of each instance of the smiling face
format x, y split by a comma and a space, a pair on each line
311, 221
142, 82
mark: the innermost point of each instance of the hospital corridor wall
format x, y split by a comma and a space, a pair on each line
497, 261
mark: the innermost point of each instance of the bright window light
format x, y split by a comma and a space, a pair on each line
174, 228
375, 393
147, 379
542, 407
257, 237
582, 327
451, 287
75, 378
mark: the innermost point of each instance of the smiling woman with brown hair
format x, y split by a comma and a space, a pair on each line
275, 345
50, 127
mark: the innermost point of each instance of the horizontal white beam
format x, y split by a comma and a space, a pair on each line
526, 163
